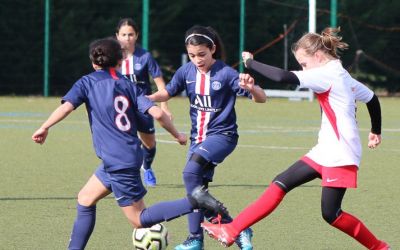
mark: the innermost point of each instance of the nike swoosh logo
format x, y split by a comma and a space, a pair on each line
201, 148
119, 198
188, 82
331, 180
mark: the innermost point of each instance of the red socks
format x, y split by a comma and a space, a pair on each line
352, 226
259, 209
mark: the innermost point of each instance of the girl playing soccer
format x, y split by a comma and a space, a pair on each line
137, 65
336, 157
211, 87
112, 104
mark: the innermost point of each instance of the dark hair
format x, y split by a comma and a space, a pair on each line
328, 41
129, 22
201, 35
105, 52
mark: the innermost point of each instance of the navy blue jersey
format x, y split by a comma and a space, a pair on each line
212, 98
138, 67
112, 105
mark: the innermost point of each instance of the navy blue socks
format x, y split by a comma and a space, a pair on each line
83, 227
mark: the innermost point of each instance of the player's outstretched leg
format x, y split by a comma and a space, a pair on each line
262, 207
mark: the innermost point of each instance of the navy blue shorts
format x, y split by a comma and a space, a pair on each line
126, 184
145, 123
215, 149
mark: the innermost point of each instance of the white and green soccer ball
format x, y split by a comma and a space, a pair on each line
153, 238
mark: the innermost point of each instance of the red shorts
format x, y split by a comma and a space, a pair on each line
341, 176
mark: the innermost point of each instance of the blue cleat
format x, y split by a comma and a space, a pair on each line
244, 239
191, 243
149, 178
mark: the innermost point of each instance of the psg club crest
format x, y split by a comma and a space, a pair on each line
215, 85
138, 66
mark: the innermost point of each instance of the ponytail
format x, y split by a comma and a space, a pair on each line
328, 42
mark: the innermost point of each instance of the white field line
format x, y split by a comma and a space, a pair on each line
273, 147
259, 129
39, 121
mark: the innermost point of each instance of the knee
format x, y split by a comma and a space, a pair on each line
148, 140
135, 223
330, 214
280, 181
189, 177
85, 199
150, 144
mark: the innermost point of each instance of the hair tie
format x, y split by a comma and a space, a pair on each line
196, 34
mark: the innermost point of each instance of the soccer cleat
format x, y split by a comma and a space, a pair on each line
149, 178
224, 233
191, 243
203, 199
244, 239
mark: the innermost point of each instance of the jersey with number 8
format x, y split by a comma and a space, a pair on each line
112, 104
121, 117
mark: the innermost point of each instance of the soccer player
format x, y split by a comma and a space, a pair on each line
211, 87
336, 157
112, 104
137, 65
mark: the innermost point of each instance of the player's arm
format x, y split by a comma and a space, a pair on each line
374, 110
59, 114
159, 96
159, 81
167, 124
273, 73
247, 82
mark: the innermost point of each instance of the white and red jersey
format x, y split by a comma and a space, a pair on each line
339, 142
138, 67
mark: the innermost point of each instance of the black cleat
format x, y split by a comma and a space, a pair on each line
203, 199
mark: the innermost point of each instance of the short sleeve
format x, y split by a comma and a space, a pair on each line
362, 93
153, 67
177, 83
313, 79
144, 103
77, 94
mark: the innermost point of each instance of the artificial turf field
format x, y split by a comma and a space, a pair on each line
39, 184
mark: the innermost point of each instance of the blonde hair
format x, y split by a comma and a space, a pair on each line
328, 42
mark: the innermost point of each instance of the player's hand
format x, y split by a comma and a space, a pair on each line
246, 55
246, 81
374, 140
181, 139
40, 135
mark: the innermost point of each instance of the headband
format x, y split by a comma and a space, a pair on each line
196, 34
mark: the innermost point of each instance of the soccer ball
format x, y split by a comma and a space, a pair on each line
153, 238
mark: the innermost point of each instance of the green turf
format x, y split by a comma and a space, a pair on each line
39, 183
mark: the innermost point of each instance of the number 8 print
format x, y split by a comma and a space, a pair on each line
121, 113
